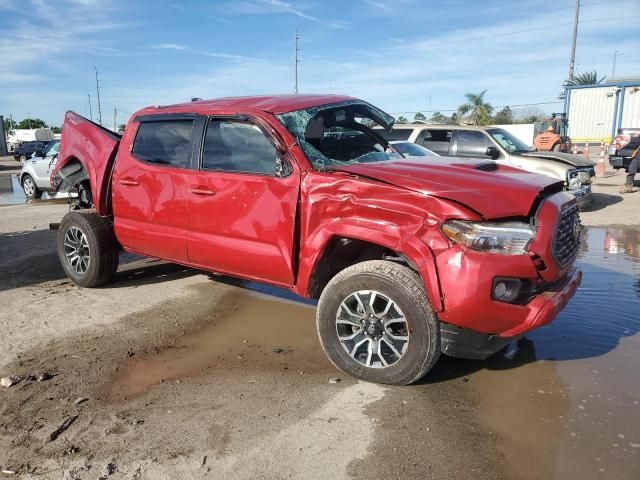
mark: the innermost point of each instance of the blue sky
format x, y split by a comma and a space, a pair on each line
397, 54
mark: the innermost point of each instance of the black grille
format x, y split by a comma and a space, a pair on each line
567, 240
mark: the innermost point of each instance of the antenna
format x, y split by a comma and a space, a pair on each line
295, 90
98, 91
90, 112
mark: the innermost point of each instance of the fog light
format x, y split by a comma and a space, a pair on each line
506, 289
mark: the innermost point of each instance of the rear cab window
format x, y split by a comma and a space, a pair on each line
238, 146
164, 142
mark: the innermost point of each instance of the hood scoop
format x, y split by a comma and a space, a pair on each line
486, 167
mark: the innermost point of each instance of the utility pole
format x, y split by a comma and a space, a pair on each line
575, 36
295, 90
98, 92
115, 116
613, 71
90, 112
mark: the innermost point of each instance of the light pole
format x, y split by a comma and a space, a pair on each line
575, 36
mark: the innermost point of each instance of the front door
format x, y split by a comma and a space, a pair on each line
150, 188
242, 204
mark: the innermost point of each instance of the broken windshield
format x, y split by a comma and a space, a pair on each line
340, 134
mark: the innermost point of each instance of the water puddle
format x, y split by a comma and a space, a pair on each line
11, 193
257, 332
565, 401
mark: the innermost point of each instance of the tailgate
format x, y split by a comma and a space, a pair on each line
87, 152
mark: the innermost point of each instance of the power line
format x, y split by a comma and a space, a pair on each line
495, 108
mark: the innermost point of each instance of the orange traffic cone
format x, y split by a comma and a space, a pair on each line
600, 165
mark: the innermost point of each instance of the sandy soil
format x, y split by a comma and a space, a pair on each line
182, 374
187, 375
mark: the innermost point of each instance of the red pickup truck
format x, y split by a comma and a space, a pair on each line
409, 257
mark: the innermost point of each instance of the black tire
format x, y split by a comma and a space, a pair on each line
22, 159
406, 289
29, 187
103, 251
556, 147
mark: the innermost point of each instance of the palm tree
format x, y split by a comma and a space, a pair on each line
586, 78
479, 110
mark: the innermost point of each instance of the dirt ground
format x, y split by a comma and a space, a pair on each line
172, 373
189, 376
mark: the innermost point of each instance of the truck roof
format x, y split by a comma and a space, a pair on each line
266, 103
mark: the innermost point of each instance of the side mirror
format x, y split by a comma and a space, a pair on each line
38, 153
493, 152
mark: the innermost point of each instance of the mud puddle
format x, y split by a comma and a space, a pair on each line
11, 193
257, 332
565, 401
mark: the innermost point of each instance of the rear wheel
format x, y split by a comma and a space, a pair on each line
375, 323
556, 147
23, 158
30, 188
87, 248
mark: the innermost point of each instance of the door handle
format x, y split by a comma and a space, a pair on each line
129, 182
202, 191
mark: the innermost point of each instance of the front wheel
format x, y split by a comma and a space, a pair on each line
29, 187
375, 323
23, 159
87, 248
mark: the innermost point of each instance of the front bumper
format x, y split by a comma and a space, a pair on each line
466, 343
583, 195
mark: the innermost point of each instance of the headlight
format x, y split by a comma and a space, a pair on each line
505, 238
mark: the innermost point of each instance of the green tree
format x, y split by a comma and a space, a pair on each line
503, 117
419, 117
32, 123
438, 117
121, 127
8, 125
586, 78
454, 117
476, 108
56, 129
402, 120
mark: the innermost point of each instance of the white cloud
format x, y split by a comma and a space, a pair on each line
169, 46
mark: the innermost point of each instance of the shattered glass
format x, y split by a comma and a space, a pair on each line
349, 120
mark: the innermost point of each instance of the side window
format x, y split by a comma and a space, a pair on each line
164, 142
437, 140
238, 147
472, 143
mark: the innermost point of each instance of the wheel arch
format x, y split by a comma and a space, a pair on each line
340, 246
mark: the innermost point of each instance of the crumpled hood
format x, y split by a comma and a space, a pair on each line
494, 192
568, 158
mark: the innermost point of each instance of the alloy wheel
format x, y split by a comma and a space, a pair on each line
372, 329
76, 250
29, 187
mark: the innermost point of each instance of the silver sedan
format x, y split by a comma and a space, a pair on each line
35, 173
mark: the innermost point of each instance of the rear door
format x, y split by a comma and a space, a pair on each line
150, 183
437, 140
242, 203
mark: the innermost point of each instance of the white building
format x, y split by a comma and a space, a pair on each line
596, 112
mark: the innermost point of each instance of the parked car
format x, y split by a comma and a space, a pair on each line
625, 146
410, 149
24, 151
36, 171
407, 258
465, 141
